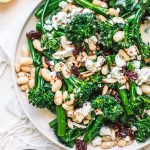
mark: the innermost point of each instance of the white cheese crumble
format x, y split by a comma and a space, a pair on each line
94, 39
119, 61
86, 109
62, 4
64, 54
143, 75
118, 20
137, 64
97, 141
105, 131
86, 11
132, 51
147, 112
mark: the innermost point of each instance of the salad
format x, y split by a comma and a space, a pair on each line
87, 63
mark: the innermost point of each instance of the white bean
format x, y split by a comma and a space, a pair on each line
105, 70
17, 67
25, 61
37, 45
71, 102
21, 74
121, 143
46, 74
67, 107
25, 51
32, 72
107, 145
65, 95
106, 138
22, 80
31, 83
57, 85
146, 89
119, 35
92, 45
26, 69
24, 87
58, 98
113, 12
66, 73
44, 63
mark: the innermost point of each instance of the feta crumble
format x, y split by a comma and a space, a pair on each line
97, 141
119, 61
105, 131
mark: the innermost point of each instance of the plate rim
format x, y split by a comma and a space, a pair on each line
19, 98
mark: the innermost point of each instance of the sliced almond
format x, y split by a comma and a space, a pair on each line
146, 89
105, 70
105, 90
109, 80
124, 55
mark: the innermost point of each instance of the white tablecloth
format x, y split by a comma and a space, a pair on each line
16, 131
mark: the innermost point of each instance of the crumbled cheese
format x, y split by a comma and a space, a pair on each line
105, 131
147, 112
70, 1
75, 11
87, 11
97, 141
64, 54
137, 64
48, 27
94, 39
143, 75
132, 51
100, 60
119, 61
134, 128
62, 4
86, 109
89, 64
118, 20
139, 90
127, 139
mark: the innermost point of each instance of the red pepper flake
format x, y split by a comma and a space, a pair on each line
81, 145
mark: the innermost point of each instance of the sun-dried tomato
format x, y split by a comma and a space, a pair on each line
131, 75
33, 35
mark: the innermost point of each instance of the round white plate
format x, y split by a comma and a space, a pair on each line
41, 118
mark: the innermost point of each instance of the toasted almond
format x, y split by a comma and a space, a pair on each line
105, 70
124, 55
109, 80
105, 90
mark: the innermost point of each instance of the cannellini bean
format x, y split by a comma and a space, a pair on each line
64, 42
121, 143
147, 60
71, 59
24, 87
25, 61
119, 35
65, 95
66, 73
25, 51
113, 134
106, 138
139, 90
124, 55
17, 67
129, 142
109, 80
67, 107
31, 83
113, 12
145, 89
21, 74
79, 116
71, 102
37, 45
58, 98
70, 124
97, 2
86, 121
101, 18
105, 70
107, 145
44, 63
22, 80
105, 90
26, 69
92, 45
57, 85
32, 72
46, 74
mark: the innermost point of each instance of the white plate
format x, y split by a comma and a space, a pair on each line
41, 118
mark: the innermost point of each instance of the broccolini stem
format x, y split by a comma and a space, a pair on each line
89, 135
37, 78
61, 121
53, 123
36, 56
53, 5
124, 99
133, 90
97, 9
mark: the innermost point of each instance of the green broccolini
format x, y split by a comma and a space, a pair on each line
143, 129
83, 26
41, 95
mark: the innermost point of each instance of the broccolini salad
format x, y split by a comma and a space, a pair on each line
87, 63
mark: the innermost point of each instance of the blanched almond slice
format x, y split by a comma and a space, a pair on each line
109, 80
